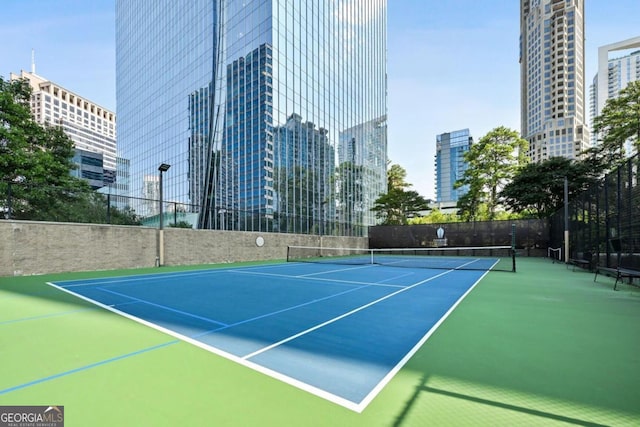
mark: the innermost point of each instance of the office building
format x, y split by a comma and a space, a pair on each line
553, 118
92, 128
614, 74
450, 165
90, 167
249, 102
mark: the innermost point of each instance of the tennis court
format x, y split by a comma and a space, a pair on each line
338, 331
545, 346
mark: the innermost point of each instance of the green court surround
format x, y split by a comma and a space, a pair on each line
543, 346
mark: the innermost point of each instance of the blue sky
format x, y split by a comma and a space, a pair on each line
452, 64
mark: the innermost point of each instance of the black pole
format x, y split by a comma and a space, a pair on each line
9, 201
566, 220
109, 208
513, 247
161, 222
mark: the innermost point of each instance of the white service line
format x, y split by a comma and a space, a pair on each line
319, 279
342, 316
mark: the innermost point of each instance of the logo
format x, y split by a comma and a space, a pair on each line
31, 416
440, 240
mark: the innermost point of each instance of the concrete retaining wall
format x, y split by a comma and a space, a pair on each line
45, 247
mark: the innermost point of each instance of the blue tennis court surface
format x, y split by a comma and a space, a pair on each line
340, 332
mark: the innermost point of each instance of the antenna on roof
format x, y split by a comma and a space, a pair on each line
33, 61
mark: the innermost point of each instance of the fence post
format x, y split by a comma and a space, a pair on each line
9, 200
566, 220
109, 208
513, 246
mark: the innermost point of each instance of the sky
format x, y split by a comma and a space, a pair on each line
452, 64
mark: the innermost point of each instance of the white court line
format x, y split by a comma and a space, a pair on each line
342, 316
320, 279
378, 388
167, 275
354, 406
397, 277
251, 365
338, 270
163, 307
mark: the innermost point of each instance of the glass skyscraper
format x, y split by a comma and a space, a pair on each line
450, 164
272, 113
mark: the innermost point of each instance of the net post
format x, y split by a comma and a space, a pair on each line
288, 249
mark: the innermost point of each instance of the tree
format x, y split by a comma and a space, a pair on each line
619, 122
398, 204
18, 131
492, 162
396, 177
538, 188
471, 205
435, 216
395, 207
35, 161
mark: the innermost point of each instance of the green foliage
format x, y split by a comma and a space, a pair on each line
398, 205
435, 216
471, 205
395, 207
492, 162
35, 165
396, 178
125, 216
181, 224
618, 122
538, 188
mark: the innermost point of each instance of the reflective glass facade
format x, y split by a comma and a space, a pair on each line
271, 113
450, 164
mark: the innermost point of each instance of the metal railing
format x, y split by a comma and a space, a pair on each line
23, 201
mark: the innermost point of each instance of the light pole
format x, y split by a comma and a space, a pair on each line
162, 168
222, 212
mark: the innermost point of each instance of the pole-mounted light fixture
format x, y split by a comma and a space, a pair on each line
162, 168
160, 260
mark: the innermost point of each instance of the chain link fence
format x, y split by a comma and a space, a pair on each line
604, 220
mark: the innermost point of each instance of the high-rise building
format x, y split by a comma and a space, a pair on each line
251, 104
450, 165
92, 128
614, 74
552, 78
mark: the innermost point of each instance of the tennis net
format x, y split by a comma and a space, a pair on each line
494, 258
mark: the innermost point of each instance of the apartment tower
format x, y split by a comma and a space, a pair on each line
553, 116
615, 72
